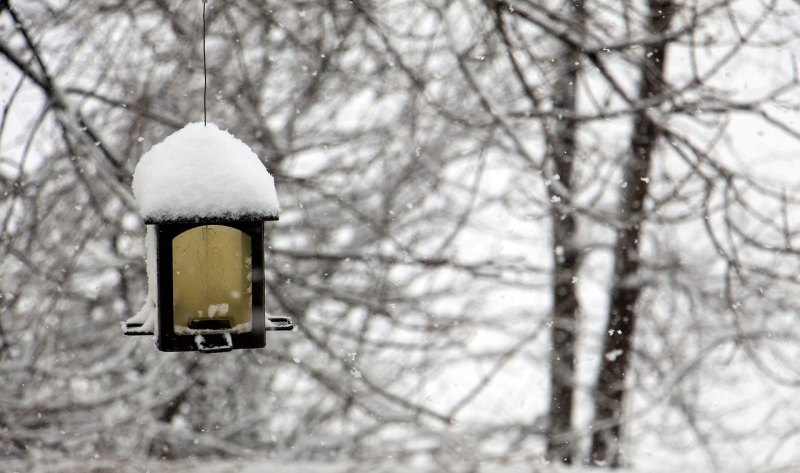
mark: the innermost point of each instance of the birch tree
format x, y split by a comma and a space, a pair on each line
678, 113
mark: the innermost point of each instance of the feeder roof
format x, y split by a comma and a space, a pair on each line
203, 172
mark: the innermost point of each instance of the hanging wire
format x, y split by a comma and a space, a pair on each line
205, 72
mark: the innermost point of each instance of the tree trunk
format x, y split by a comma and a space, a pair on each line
566, 256
610, 392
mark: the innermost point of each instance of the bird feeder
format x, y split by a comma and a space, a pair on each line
204, 196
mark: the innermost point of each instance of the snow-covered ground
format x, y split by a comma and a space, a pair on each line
389, 466
272, 466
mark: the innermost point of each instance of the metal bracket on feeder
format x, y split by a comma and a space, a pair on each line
277, 323
214, 343
133, 329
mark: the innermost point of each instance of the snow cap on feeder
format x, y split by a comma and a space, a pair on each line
204, 196
202, 171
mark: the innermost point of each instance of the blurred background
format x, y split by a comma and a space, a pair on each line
529, 232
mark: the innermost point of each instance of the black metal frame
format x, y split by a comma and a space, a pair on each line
166, 338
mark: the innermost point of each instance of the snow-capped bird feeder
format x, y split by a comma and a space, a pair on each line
204, 196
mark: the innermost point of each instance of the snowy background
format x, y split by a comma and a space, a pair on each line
464, 210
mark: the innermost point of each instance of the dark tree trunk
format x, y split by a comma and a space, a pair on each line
566, 256
610, 391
